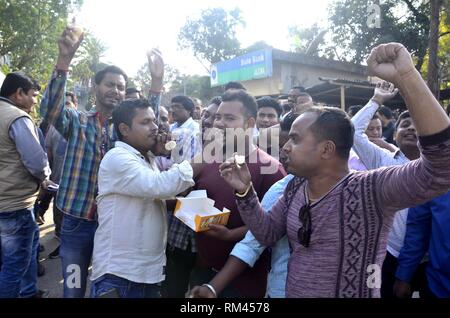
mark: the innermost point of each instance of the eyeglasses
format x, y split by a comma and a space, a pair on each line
304, 232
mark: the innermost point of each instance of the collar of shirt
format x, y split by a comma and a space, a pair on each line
398, 154
121, 144
188, 123
7, 100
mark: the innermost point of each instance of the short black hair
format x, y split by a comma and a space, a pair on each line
267, 101
286, 107
402, 116
249, 102
300, 88
216, 101
333, 124
131, 90
288, 120
185, 101
375, 116
99, 76
354, 109
125, 112
73, 96
234, 85
15, 80
386, 112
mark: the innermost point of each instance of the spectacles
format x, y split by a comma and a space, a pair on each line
304, 232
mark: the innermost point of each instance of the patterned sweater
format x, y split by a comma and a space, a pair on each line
350, 224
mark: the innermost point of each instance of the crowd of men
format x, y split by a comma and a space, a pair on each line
326, 204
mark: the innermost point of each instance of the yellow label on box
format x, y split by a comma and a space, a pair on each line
202, 222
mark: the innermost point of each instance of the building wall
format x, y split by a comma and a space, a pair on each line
286, 75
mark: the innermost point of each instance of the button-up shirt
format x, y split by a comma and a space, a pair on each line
88, 139
249, 249
130, 241
375, 157
188, 146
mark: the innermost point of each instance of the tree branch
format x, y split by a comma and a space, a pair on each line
416, 12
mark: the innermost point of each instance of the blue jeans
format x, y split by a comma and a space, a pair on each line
19, 243
111, 286
77, 242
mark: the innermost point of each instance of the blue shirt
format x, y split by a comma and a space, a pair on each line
249, 249
428, 229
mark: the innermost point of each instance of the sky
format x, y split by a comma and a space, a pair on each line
129, 28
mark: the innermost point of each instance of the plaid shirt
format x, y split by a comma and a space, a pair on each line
87, 142
179, 234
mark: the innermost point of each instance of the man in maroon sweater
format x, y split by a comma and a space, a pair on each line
337, 221
237, 111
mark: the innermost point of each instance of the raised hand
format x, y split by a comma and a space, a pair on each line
159, 149
390, 62
384, 91
156, 65
380, 142
68, 44
237, 176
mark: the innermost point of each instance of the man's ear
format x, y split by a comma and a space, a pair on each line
395, 135
16, 97
124, 129
328, 149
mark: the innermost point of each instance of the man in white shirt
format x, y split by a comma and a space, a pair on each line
129, 246
185, 130
374, 156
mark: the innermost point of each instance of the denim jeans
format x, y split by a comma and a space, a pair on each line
19, 242
111, 286
77, 242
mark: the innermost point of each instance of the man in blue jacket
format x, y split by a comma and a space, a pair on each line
427, 230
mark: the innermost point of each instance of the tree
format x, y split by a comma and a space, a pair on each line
352, 34
194, 86
311, 41
212, 37
143, 79
433, 43
405, 21
29, 33
87, 60
260, 45
443, 52
86, 63
422, 26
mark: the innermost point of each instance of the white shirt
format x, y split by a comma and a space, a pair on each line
130, 241
375, 157
188, 140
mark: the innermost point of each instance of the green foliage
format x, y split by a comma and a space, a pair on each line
177, 84
29, 31
87, 60
404, 21
350, 35
212, 37
84, 66
311, 41
260, 45
194, 86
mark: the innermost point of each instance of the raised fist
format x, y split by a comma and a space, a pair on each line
390, 62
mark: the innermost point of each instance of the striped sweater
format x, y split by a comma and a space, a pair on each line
350, 224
